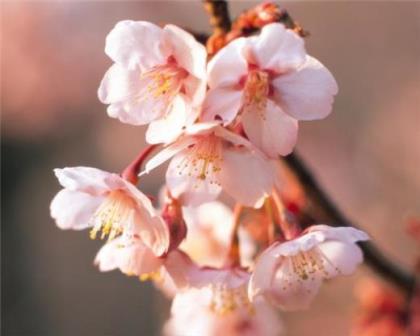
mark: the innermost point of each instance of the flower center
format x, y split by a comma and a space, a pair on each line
203, 159
114, 215
226, 300
163, 82
257, 88
308, 266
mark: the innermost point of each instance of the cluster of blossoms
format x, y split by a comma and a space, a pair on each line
223, 125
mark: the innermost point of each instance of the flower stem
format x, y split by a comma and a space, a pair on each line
233, 256
131, 172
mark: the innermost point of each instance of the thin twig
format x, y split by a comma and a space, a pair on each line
322, 207
234, 255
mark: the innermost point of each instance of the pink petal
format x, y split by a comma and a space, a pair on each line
289, 291
237, 166
89, 180
228, 66
168, 152
187, 186
170, 127
135, 44
264, 270
74, 209
189, 54
272, 130
344, 234
131, 257
195, 90
153, 232
118, 84
222, 104
278, 49
127, 93
308, 93
340, 258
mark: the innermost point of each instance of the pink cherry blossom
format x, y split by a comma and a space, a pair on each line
208, 158
210, 227
271, 82
290, 274
157, 72
222, 308
105, 202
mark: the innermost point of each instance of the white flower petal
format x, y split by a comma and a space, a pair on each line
74, 209
262, 277
340, 258
308, 93
131, 257
228, 66
87, 179
344, 234
118, 84
278, 49
222, 104
187, 186
168, 152
170, 127
289, 291
135, 44
238, 165
272, 130
189, 54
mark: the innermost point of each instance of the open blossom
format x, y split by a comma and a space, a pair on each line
107, 203
157, 72
290, 274
192, 315
208, 158
216, 302
210, 228
270, 82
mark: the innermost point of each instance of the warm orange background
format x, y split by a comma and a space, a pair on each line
366, 154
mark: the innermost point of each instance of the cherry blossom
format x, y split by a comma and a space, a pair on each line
210, 227
133, 258
208, 158
216, 301
270, 82
157, 72
106, 203
290, 274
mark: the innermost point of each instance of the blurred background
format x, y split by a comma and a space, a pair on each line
366, 154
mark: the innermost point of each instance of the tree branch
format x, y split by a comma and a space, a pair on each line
219, 15
323, 207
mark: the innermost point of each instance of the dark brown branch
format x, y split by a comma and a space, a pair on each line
324, 208
219, 15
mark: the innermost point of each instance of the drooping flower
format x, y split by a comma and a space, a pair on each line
158, 73
290, 274
107, 203
222, 308
210, 227
270, 82
130, 256
208, 158
133, 258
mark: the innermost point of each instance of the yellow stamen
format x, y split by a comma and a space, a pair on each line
113, 215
